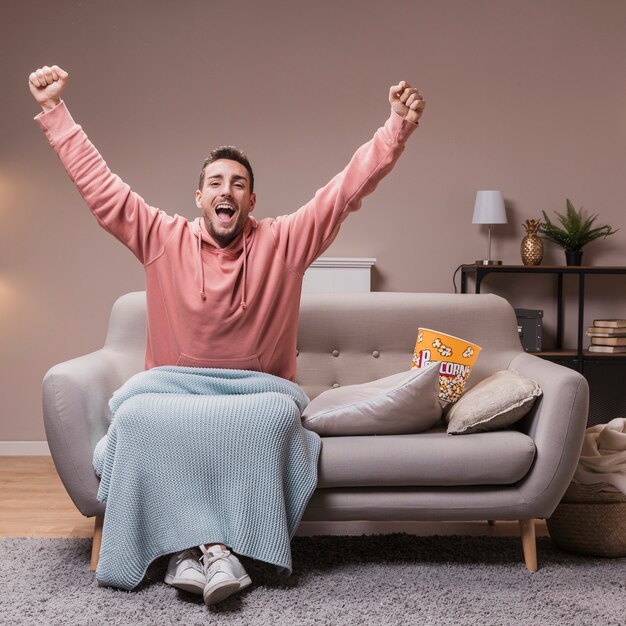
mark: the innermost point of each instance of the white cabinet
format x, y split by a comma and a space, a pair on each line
338, 275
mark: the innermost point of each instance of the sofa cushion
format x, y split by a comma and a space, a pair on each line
430, 459
495, 402
402, 403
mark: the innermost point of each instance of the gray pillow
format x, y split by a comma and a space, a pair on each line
495, 402
402, 403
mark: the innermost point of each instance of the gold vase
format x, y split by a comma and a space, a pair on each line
532, 246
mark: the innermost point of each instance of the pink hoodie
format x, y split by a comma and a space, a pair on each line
234, 307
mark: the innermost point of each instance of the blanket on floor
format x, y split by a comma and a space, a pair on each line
603, 456
198, 456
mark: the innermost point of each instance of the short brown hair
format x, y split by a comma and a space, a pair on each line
231, 153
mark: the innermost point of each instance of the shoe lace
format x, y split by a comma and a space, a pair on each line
211, 563
192, 555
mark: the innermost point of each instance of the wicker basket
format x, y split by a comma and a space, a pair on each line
590, 521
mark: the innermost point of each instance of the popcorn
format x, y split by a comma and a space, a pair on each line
451, 387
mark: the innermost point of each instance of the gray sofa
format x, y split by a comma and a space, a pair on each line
515, 474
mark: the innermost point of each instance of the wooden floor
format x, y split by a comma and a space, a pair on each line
34, 503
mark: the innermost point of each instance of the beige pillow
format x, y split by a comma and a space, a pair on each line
402, 403
495, 402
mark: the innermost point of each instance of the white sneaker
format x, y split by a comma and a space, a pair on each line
184, 571
224, 573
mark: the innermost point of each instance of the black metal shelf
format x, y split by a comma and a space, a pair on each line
578, 356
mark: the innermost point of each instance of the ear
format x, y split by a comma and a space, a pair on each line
198, 196
252, 202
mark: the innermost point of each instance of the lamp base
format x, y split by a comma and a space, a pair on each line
487, 262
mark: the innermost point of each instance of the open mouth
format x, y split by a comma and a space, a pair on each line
224, 212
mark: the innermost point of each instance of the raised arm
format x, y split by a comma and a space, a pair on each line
302, 236
117, 208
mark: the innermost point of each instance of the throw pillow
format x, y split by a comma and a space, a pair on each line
495, 402
402, 403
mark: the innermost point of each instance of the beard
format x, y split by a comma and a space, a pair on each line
224, 236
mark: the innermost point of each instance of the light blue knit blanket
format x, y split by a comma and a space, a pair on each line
198, 456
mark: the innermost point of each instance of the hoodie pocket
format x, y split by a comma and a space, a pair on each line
232, 363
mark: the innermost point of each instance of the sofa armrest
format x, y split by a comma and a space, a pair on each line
557, 425
76, 416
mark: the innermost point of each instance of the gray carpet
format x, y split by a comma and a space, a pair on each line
384, 580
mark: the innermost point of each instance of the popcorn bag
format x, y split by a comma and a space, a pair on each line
457, 357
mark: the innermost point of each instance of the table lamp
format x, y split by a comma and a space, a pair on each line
489, 209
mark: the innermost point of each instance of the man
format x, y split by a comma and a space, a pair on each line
224, 290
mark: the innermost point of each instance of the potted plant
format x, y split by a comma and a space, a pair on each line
574, 233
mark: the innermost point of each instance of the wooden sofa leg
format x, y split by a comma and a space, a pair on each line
529, 543
97, 541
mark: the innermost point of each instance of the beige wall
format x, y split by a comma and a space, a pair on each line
524, 96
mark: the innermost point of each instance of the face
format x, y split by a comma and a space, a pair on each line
225, 199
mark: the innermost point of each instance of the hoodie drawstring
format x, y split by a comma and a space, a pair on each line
245, 272
201, 267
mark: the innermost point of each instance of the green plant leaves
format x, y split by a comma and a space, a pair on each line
575, 230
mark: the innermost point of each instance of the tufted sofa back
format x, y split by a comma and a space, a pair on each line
344, 339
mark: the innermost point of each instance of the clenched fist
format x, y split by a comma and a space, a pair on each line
47, 84
406, 101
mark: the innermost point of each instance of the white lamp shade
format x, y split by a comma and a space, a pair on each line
489, 208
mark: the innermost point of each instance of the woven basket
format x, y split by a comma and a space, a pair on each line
590, 521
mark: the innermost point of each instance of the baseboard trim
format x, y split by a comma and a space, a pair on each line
24, 448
